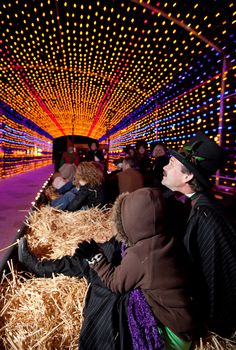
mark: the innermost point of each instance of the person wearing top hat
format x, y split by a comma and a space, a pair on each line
210, 238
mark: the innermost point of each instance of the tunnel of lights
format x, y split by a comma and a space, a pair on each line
115, 71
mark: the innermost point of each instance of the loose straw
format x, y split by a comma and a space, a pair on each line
40, 313
9, 246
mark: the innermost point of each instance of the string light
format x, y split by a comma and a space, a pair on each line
70, 66
23, 145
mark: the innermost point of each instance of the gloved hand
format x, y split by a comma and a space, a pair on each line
25, 256
90, 251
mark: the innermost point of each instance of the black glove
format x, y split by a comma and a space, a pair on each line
25, 256
90, 250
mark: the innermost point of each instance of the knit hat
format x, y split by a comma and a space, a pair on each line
202, 156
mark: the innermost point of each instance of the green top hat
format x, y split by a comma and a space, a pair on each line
202, 156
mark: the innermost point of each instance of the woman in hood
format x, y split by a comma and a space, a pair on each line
160, 307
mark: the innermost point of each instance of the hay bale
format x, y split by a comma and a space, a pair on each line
46, 313
53, 233
40, 313
215, 342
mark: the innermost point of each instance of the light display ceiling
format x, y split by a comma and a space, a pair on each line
83, 67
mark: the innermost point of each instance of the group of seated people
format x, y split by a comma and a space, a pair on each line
149, 163
84, 191
86, 184
168, 276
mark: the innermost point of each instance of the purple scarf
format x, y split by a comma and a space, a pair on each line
141, 321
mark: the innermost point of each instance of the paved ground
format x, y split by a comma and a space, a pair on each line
16, 196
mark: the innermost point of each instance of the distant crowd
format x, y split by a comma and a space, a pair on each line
137, 168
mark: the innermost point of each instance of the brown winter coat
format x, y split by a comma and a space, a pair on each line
152, 262
130, 180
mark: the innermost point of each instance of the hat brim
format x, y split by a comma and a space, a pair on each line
200, 177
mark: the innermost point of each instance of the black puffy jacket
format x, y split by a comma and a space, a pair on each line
87, 196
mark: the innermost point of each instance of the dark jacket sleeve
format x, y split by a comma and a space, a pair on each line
68, 266
80, 199
99, 155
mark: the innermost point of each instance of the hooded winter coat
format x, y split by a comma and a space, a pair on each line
153, 261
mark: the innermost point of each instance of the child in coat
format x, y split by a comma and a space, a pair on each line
161, 309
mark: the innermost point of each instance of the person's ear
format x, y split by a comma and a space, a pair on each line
188, 177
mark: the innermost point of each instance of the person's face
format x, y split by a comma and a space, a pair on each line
158, 151
124, 165
119, 166
81, 182
141, 150
131, 152
173, 176
93, 146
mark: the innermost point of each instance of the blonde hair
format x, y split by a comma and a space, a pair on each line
90, 173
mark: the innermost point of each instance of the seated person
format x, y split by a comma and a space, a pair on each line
88, 191
127, 180
70, 157
160, 159
51, 193
143, 160
64, 176
130, 151
154, 269
94, 153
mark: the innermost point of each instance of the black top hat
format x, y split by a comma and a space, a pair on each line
202, 156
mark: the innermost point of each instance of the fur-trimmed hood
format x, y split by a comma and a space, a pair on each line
139, 215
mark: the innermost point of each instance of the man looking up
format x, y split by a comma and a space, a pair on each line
210, 239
